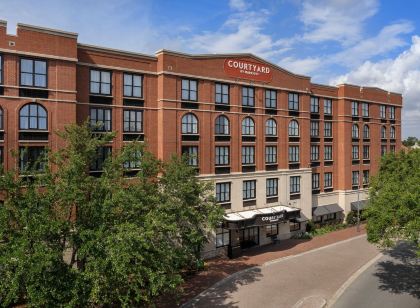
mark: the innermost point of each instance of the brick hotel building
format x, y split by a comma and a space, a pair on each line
279, 148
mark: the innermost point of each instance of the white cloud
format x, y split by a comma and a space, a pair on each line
239, 5
301, 66
336, 20
401, 74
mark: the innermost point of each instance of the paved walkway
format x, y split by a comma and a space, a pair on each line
306, 280
220, 268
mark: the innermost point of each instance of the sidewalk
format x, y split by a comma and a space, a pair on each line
219, 268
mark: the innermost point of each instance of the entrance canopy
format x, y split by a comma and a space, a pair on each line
362, 205
326, 209
260, 217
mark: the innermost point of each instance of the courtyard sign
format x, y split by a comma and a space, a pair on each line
247, 70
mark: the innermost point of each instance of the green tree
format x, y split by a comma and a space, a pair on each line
71, 239
394, 200
410, 141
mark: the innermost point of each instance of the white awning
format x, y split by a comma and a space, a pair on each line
244, 215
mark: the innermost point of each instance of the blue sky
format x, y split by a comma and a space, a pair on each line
367, 42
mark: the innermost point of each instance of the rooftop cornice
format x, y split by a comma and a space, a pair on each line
47, 30
116, 51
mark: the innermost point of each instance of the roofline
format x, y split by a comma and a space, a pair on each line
367, 87
116, 51
324, 85
47, 30
224, 55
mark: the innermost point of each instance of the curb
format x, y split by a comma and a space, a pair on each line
351, 279
194, 300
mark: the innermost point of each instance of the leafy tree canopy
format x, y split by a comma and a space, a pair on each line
394, 206
68, 238
410, 141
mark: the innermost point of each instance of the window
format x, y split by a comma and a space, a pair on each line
33, 73
295, 184
222, 237
294, 226
355, 131
223, 192
355, 109
222, 125
222, 156
270, 99
191, 153
189, 124
315, 180
314, 104
248, 189
392, 132
189, 90
355, 178
133, 121
1, 119
328, 179
271, 230
293, 154
392, 112
383, 150
248, 127
366, 152
222, 94
293, 101
133, 85
248, 155
355, 152
270, 127
102, 154
366, 131
1, 69
365, 110
327, 129
33, 117
271, 186
328, 152
293, 129
32, 159
133, 161
392, 148
270, 154
382, 111
100, 82
314, 152
314, 129
327, 106
383, 132
1, 157
365, 176
100, 119
248, 96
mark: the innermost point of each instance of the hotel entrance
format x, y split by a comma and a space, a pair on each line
249, 237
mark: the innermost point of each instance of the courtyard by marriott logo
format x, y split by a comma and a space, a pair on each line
247, 70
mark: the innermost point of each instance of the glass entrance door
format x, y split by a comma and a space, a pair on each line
249, 237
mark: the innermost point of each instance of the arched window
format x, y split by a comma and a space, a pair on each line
1, 119
248, 126
33, 116
222, 125
355, 131
271, 127
294, 128
189, 124
392, 132
366, 131
383, 132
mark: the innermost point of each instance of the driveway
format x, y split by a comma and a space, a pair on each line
305, 280
392, 281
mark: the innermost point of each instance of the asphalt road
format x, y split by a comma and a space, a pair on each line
307, 280
392, 281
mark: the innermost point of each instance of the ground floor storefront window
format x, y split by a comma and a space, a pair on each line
271, 230
294, 226
249, 237
222, 237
